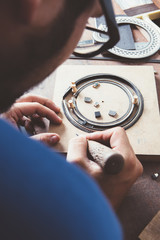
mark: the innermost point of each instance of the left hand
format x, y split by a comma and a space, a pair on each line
29, 109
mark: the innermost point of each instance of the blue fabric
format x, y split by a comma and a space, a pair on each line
44, 197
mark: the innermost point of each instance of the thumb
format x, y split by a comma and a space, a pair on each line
77, 153
77, 150
49, 139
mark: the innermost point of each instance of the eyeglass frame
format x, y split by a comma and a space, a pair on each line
112, 32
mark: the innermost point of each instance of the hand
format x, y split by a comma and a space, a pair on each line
115, 187
28, 110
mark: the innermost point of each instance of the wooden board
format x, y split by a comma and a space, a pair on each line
144, 134
152, 230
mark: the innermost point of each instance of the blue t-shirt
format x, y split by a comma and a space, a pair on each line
44, 197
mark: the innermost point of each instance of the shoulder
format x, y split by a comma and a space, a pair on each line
51, 198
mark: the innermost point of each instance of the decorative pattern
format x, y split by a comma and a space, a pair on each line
152, 47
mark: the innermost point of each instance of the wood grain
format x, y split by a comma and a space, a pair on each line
157, 3
152, 230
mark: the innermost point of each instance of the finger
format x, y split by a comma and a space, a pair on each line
11, 120
28, 109
118, 141
77, 153
48, 138
42, 100
116, 136
77, 150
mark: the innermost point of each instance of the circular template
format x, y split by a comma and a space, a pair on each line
102, 101
146, 29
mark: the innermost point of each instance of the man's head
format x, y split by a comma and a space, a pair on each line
36, 37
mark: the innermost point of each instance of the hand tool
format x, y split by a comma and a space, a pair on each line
111, 161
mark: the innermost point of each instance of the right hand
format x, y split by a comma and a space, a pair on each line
115, 187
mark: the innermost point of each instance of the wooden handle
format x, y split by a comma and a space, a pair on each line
111, 161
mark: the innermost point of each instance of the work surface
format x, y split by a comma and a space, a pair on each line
143, 130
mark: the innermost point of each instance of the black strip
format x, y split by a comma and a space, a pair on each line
88, 127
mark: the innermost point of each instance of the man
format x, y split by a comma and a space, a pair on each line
42, 195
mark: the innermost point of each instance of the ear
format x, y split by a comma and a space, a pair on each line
28, 9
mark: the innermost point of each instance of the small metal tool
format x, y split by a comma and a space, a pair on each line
111, 161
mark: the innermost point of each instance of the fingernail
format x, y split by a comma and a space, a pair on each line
54, 139
59, 119
92, 134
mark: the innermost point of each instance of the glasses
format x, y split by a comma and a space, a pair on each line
100, 35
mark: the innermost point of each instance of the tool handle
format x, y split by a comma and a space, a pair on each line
111, 161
